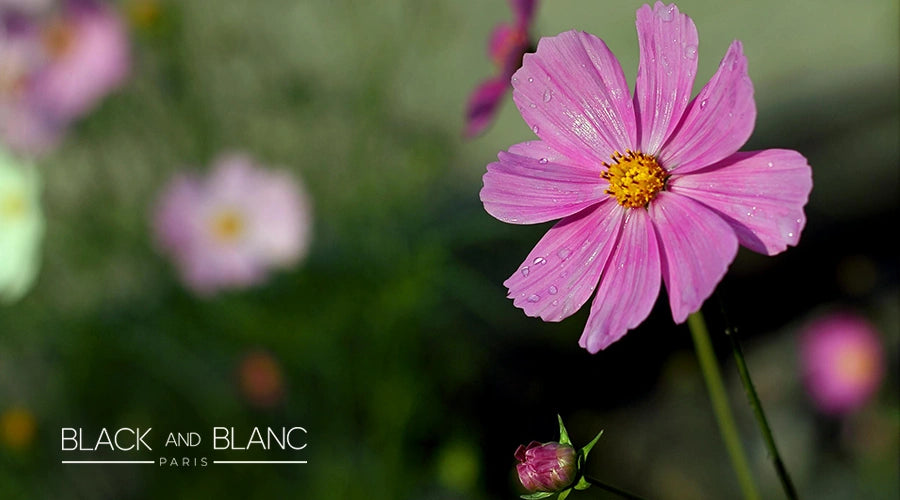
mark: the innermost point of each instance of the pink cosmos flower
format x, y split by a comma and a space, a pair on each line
506, 47
230, 229
842, 362
55, 67
650, 189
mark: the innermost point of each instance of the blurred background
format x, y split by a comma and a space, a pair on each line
391, 341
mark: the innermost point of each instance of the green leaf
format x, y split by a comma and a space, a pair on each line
536, 496
582, 484
564, 493
563, 434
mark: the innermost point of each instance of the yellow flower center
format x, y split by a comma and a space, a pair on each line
12, 206
634, 178
227, 226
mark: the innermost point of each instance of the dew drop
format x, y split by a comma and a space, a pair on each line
690, 52
542, 161
530, 80
531, 105
791, 235
534, 298
555, 302
548, 95
703, 103
535, 129
666, 14
552, 290
539, 260
770, 164
525, 271
564, 253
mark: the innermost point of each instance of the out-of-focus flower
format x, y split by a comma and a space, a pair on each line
229, 229
17, 428
650, 189
842, 362
506, 47
546, 469
261, 380
56, 67
21, 227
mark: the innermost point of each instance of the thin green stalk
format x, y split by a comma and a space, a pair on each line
710, 369
761, 421
612, 489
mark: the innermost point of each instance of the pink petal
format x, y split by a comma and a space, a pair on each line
523, 11
668, 42
560, 274
628, 287
573, 95
483, 104
719, 120
697, 247
760, 193
533, 183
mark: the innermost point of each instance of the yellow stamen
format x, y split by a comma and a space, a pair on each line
634, 178
12, 205
227, 226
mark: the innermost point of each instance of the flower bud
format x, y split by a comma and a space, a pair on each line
547, 467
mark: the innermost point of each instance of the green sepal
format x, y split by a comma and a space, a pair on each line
587, 447
582, 484
563, 434
538, 495
564, 493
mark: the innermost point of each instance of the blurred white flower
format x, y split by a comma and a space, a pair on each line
21, 227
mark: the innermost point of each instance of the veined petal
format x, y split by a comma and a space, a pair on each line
760, 193
697, 247
533, 183
668, 44
483, 104
560, 274
573, 95
629, 285
719, 120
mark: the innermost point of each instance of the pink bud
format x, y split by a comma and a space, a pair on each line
546, 467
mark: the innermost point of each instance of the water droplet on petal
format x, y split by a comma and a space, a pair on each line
703, 103
534, 298
539, 260
666, 14
564, 253
543, 161
552, 290
690, 52
555, 302
548, 95
530, 79
525, 271
535, 129
770, 164
531, 105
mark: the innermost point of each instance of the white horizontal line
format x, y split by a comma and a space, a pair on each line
259, 461
108, 462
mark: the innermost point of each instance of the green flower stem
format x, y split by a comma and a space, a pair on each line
710, 369
761, 421
611, 489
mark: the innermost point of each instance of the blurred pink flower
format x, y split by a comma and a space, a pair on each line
650, 189
506, 47
229, 229
842, 362
55, 67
